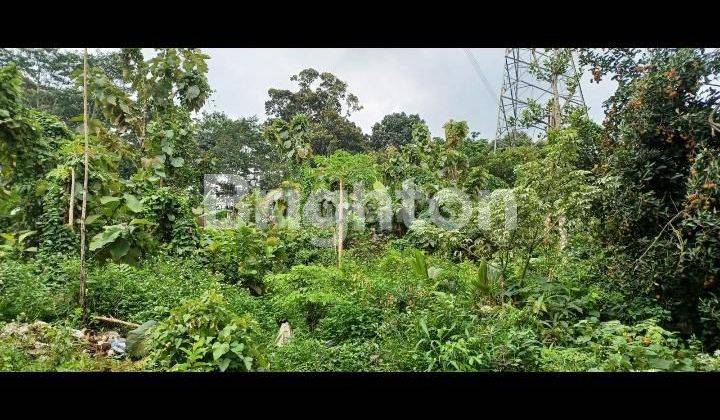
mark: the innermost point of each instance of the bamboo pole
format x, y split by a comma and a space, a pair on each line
71, 210
341, 216
83, 274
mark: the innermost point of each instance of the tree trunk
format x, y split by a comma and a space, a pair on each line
83, 275
555, 105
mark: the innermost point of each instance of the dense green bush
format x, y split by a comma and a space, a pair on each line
244, 254
305, 294
301, 355
174, 221
34, 290
150, 291
304, 354
612, 346
205, 334
139, 294
497, 339
353, 318
55, 235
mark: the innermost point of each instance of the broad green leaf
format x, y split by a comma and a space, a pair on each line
133, 203
119, 248
110, 234
108, 199
167, 148
91, 219
25, 235
9, 237
177, 162
424, 327
220, 349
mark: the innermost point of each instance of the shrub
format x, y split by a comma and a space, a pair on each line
354, 356
304, 295
709, 310
204, 334
301, 354
147, 292
644, 346
12, 359
706, 362
28, 290
451, 338
55, 235
353, 318
245, 254
305, 354
390, 282
567, 359
175, 223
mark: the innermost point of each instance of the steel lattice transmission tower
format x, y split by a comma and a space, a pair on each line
520, 86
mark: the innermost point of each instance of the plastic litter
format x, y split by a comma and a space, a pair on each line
117, 347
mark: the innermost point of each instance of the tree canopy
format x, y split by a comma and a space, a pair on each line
325, 101
394, 130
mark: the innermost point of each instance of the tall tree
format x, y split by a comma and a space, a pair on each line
154, 113
324, 99
452, 160
237, 146
551, 67
660, 164
514, 138
394, 130
48, 77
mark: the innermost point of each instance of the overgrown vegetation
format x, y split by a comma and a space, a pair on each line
613, 264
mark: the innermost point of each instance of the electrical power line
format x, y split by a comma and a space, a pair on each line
478, 70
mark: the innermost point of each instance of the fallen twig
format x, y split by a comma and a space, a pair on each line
115, 321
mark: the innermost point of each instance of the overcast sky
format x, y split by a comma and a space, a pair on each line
438, 84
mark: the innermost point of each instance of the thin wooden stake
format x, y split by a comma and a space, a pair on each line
83, 275
340, 225
71, 210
